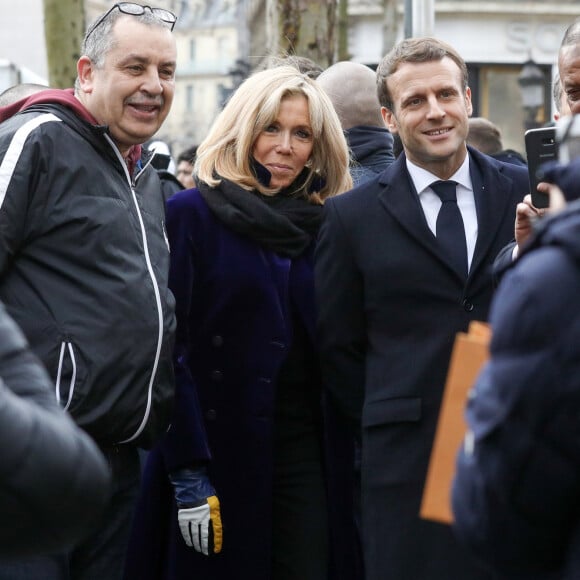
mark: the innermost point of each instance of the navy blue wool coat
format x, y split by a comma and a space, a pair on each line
516, 495
233, 301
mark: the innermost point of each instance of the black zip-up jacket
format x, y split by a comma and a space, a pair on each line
83, 270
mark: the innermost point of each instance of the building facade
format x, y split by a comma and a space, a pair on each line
209, 42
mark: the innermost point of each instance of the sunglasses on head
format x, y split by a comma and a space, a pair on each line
136, 10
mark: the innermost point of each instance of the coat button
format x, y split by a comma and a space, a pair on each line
467, 306
216, 376
217, 340
211, 415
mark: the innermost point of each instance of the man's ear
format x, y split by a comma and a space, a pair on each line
85, 73
468, 102
389, 119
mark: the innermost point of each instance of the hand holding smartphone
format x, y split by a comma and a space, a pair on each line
541, 147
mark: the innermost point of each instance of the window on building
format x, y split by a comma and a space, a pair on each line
222, 47
189, 98
496, 95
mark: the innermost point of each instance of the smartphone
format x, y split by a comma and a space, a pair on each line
541, 147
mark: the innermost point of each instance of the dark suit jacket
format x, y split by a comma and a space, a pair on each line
390, 305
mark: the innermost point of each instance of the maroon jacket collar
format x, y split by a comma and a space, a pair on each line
63, 97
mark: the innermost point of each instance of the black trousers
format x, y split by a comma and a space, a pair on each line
300, 533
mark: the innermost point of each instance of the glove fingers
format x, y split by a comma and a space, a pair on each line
198, 538
190, 540
185, 528
204, 537
191, 521
201, 526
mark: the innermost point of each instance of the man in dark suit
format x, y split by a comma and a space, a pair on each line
392, 296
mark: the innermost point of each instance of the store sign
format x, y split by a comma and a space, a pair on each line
523, 37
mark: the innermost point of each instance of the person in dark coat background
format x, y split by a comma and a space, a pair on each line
351, 87
391, 300
185, 162
163, 163
516, 494
244, 450
485, 136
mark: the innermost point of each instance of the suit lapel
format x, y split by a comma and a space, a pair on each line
492, 192
399, 197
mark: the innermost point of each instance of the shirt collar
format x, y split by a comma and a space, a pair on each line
422, 179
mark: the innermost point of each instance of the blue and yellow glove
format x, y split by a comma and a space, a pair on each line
198, 510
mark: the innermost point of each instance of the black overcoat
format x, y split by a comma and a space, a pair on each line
390, 305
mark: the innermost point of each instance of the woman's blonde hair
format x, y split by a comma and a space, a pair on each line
226, 152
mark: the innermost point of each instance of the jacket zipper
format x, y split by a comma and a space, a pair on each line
156, 291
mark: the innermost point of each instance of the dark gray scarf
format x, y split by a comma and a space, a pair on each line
284, 223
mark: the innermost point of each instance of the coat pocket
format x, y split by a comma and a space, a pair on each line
398, 410
66, 375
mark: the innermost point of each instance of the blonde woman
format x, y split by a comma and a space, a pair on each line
238, 481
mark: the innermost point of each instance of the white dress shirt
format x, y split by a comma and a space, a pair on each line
431, 204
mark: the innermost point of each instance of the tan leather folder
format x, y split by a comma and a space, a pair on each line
470, 352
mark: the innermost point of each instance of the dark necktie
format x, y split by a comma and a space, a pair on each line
450, 230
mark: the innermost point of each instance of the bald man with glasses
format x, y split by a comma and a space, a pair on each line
84, 260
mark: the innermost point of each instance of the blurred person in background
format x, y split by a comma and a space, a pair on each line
185, 163
351, 87
165, 166
304, 64
19, 92
485, 136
